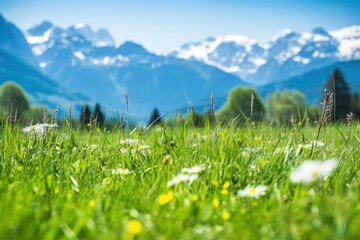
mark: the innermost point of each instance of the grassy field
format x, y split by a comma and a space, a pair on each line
180, 183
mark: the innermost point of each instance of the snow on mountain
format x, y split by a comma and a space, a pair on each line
78, 44
101, 37
45, 35
289, 53
230, 53
349, 39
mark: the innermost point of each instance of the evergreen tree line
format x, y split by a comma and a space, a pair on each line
243, 105
289, 107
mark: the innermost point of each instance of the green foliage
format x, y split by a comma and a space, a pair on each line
196, 119
36, 114
342, 95
241, 107
355, 104
13, 98
85, 117
285, 106
99, 116
155, 118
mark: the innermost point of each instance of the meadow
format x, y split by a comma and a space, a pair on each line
254, 182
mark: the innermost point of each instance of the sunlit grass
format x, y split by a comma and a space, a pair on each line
226, 183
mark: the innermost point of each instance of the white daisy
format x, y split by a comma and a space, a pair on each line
121, 171
182, 178
254, 192
40, 128
194, 169
130, 141
310, 170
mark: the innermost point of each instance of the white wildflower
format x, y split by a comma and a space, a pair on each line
182, 178
124, 150
309, 146
135, 145
130, 141
40, 128
121, 171
254, 192
93, 146
310, 170
194, 169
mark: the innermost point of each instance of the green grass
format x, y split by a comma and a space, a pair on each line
62, 186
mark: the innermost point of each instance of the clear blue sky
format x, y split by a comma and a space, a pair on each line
162, 25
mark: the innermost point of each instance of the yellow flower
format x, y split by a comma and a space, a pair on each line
19, 168
224, 192
225, 215
226, 185
258, 139
134, 227
92, 203
165, 198
194, 198
216, 202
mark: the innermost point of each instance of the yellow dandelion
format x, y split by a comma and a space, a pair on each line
224, 192
225, 215
92, 203
226, 185
134, 227
19, 168
194, 198
165, 198
216, 202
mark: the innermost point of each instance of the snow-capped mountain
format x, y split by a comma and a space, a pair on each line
105, 71
288, 54
233, 54
19, 65
46, 31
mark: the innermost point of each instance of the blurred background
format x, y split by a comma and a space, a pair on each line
261, 59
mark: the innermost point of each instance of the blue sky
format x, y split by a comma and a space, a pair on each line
162, 25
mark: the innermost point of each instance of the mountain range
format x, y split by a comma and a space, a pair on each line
80, 59
18, 64
104, 71
288, 54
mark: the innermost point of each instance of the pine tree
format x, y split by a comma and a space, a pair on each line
342, 95
355, 104
98, 116
85, 116
155, 118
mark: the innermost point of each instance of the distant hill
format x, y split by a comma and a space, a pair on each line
13, 42
40, 89
312, 83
